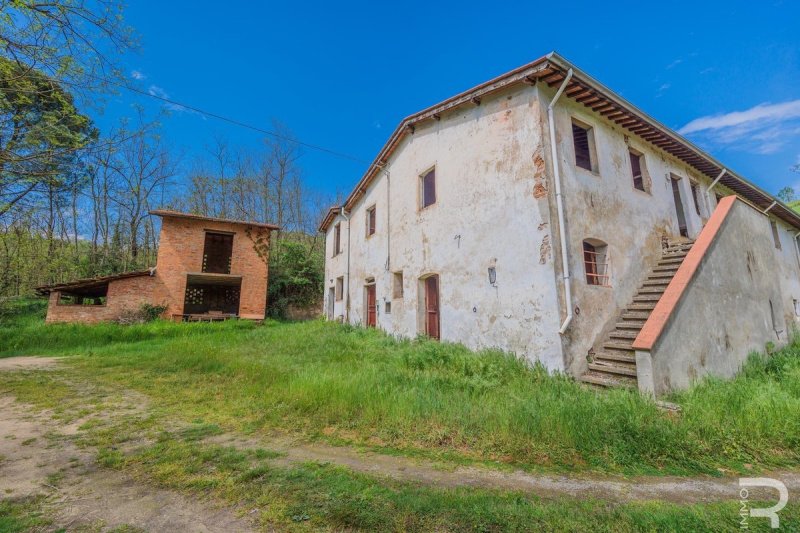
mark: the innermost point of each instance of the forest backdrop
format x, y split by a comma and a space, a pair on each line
74, 200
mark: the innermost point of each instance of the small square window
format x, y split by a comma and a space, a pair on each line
796, 303
397, 289
337, 239
371, 221
388, 308
775, 235
583, 141
339, 288
428, 188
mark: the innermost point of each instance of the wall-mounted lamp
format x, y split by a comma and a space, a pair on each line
492, 275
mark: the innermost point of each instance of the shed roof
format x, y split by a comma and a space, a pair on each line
552, 69
177, 214
91, 283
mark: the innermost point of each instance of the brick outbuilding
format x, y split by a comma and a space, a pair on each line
207, 268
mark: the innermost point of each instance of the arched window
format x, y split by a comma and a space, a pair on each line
595, 262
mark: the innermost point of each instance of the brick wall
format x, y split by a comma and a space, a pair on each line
123, 294
180, 252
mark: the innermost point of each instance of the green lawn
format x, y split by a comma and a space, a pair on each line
356, 386
346, 385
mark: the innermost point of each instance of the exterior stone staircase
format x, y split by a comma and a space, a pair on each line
615, 364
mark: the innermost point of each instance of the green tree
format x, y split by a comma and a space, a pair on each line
41, 132
787, 195
296, 274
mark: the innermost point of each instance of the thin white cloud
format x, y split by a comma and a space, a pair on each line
762, 129
675, 63
159, 92
761, 113
662, 89
138, 75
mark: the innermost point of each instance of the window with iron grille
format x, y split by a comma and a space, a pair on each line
595, 262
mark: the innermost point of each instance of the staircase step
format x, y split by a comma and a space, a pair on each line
619, 345
653, 289
657, 282
641, 306
663, 273
647, 297
630, 324
625, 357
635, 315
623, 334
666, 268
672, 254
679, 246
608, 380
670, 261
620, 369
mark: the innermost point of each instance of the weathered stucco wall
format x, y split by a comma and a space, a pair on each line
491, 211
123, 295
740, 297
604, 205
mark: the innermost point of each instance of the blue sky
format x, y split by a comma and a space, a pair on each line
343, 75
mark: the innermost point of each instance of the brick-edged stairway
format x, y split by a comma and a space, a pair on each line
615, 364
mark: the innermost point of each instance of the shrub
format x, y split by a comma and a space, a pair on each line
145, 313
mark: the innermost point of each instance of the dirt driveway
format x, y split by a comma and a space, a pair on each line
39, 458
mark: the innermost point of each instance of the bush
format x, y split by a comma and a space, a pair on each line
145, 313
296, 275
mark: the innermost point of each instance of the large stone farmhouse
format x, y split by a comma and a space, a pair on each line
542, 214
207, 269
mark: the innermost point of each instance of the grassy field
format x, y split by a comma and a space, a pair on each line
354, 386
328, 382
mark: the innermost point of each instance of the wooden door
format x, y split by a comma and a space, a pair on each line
432, 307
372, 311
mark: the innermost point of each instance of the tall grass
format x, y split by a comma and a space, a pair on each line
353, 385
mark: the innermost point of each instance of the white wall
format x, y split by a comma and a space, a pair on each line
491, 211
606, 206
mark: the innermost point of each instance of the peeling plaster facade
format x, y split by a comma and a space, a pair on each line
496, 208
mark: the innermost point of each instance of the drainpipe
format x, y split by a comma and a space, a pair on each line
347, 290
562, 230
388, 217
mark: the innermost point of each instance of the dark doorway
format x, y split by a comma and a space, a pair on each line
217, 253
372, 310
432, 307
212, 296
676, 196
331, 298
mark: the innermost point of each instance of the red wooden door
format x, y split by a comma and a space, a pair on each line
372, 315
432, 307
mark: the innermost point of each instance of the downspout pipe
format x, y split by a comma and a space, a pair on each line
388, 216
346, 216
562, 230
